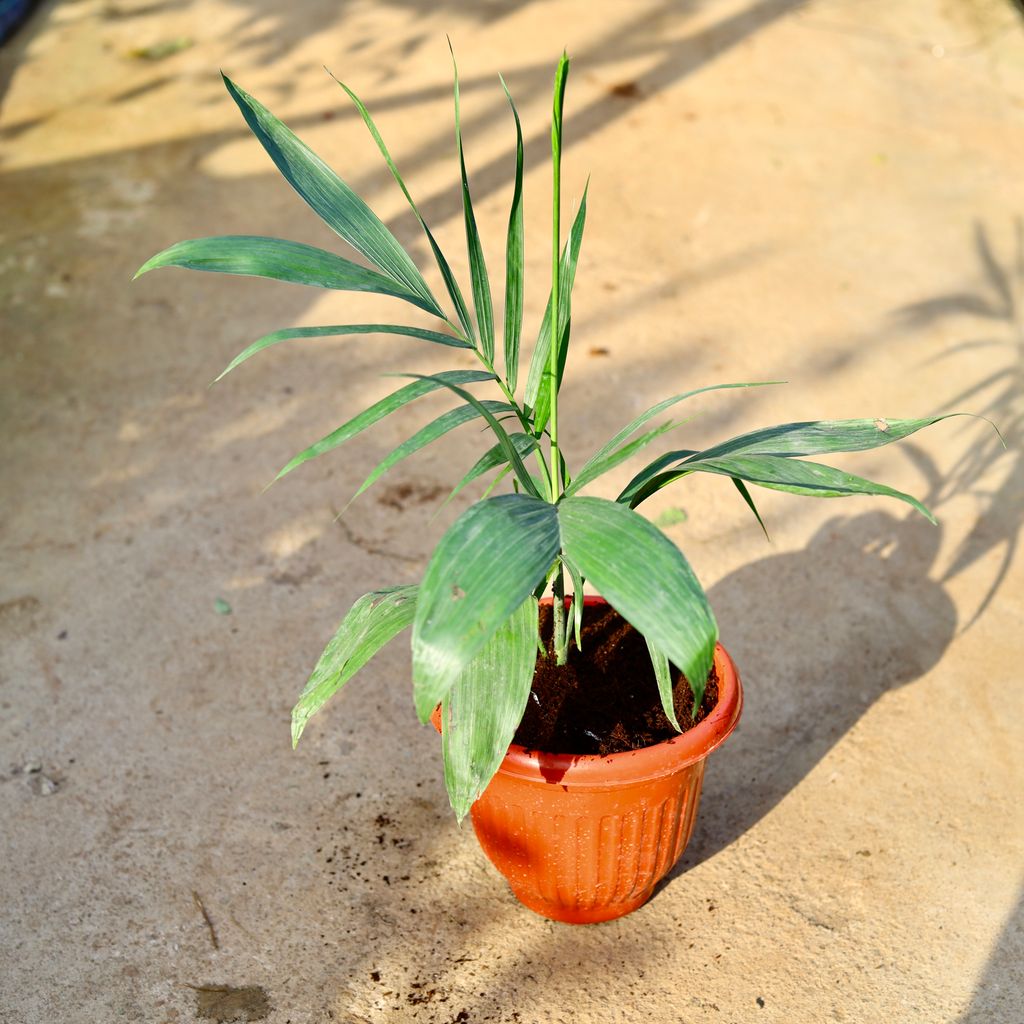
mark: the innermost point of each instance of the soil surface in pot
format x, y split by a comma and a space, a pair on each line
604, 700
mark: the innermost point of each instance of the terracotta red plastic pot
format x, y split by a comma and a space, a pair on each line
584, 838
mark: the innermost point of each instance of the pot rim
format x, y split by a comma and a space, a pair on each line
629, 767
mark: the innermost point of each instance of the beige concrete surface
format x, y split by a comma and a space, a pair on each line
827, 192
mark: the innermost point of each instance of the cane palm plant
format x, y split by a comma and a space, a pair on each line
474, 616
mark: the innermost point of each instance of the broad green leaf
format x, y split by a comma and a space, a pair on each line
799, 477
507, 447
820, 437
477, 264
374, 620
492, 459
483, 708
279, 260
485, 566
427, 435
384, 407
337, 330
645, 578
663, 677
442, 264
537, 397
331, 199
514, 261
605, 457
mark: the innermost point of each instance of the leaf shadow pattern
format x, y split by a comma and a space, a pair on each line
882, 616
826, 632
998, 994
998, 301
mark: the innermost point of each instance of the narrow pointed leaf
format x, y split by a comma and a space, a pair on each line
427, 435
663, 677
797, 476
338, 330
536, 396
450, 283
492, 459
279, 260
379, 410
374, 620
485, 566
599, 462
514, 258
477, 264
745, 495
645, 578
594, 468
577, 599
483, 708
820, 437
331, 198
507, 447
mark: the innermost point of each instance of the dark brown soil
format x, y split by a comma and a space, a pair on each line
605, 700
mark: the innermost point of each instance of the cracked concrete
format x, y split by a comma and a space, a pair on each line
822, 191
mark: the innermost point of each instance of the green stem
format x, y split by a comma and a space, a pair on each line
560, 638
556, 213
558, 588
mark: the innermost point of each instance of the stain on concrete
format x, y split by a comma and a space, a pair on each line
226, 1004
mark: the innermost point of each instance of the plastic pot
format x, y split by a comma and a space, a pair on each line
583, 838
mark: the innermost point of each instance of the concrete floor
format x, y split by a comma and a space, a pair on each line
826, 191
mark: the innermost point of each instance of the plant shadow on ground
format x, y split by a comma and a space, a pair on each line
997, 996
819, 643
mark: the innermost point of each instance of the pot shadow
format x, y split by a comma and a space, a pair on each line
819, 635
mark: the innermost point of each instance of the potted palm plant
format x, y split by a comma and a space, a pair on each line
574, 729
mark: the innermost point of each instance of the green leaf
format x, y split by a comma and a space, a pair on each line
610, 453
537, 397
652, 478
280, 260
477, 264
820, 437
645, 578
483, 708
577, 599
745, 495
485, 566
374, 620
427, 435
514, 261
337, 330
331, 199
799, 477
507, 447
594, 468
492, 459
442, 264
384, 407
663, 677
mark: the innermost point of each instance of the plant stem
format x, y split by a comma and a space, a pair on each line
560, 640
558, 587
556, 213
